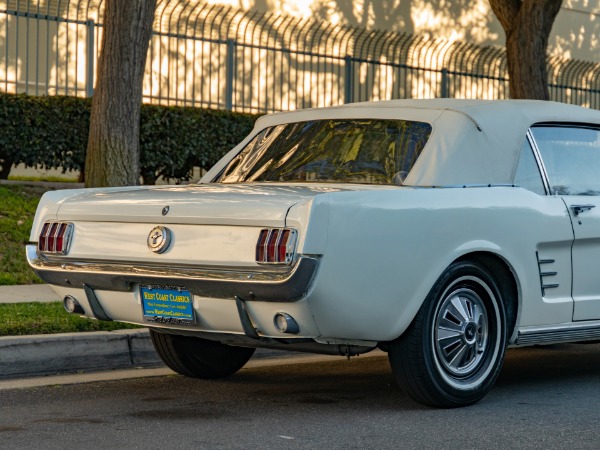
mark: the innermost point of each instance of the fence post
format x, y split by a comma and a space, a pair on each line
348, 80
229, 74
91, 57
444, 83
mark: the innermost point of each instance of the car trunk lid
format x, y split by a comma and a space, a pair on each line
210, 204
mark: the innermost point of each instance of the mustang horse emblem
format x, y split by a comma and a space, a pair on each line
159, 239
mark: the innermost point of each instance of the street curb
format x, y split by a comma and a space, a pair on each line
34, 355
51, 354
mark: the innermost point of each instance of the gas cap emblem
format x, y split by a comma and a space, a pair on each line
159, 239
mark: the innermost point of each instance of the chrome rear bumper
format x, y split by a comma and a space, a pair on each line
270, 285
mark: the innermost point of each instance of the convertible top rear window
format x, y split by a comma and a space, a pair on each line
367, 151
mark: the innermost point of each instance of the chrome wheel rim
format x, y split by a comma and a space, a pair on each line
461, 333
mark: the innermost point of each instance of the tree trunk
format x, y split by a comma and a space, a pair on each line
6, 164
527, 24
112, 157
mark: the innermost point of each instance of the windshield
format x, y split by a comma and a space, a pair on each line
368, 151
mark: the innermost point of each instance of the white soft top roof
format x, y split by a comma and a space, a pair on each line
472, 141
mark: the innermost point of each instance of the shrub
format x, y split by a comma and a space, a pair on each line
52, 132
205, 136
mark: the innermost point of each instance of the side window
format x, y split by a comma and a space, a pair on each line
571, 156
528, 174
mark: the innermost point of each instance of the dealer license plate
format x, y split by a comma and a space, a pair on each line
167, 305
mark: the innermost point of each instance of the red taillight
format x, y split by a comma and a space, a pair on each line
284, 236
55, 237
260, 245
51, 238
272, 246
276, 246
43, 240
60, 237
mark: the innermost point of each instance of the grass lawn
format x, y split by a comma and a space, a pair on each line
47, 318
17, 208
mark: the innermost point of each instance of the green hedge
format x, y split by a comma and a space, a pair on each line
52, 132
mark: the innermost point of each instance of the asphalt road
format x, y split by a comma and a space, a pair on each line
546, 398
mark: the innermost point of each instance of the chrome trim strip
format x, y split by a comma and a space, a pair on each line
578, 209
251, 284
43, 244
68, 238
543, 285
291, 246
463, 186
556, 334
545, 261
469, 186
540, 162
266, 246
278, 242
54, 236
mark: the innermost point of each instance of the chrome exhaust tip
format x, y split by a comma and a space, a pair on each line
284, 323
72, 306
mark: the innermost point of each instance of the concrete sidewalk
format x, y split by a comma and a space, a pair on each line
27, 293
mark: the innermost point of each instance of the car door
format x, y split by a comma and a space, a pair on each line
571, 158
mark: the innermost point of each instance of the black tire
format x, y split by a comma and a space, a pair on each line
199, 358
447, 357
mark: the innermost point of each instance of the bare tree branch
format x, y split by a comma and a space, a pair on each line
506, 11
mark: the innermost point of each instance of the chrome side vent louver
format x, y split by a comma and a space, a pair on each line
545, 273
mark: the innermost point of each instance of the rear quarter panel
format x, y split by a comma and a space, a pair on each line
384, 250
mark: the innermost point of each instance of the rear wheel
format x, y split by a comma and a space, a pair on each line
453, 351
199, 358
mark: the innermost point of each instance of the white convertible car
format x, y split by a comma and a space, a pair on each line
440, 231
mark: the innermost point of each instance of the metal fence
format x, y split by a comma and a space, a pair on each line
219, 57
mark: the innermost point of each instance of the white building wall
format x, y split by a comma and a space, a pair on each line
272, 55
576, 32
